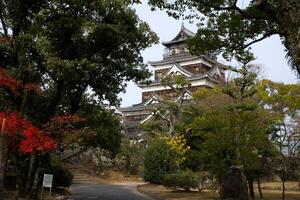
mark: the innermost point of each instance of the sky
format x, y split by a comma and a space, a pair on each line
269, 53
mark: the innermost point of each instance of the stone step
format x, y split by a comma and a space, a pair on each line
82, 175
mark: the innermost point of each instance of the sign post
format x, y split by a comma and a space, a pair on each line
47, 182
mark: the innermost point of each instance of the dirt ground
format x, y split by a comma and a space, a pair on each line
270, 191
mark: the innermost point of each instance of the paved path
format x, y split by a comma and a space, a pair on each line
107, 192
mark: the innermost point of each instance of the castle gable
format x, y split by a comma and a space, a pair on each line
215, 72
153, 100
176, 69
187, 95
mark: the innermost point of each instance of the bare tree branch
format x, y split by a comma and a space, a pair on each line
261, 4
260, 39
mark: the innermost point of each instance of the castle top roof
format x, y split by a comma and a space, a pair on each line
182, 36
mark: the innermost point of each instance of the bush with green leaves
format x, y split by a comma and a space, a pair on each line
182, 180
62, 176
132, 156
159, 160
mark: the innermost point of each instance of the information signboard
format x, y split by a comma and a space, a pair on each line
47, 182
48, 179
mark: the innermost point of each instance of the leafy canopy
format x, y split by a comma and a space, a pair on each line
70, 47
227, 126
230, 27
57, 55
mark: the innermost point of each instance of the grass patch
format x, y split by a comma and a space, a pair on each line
161, 193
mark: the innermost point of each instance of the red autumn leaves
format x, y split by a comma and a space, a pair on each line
6, 81
21, 134
13, 85
66, 129
25, 137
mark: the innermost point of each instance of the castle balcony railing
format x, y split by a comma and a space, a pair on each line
176, 56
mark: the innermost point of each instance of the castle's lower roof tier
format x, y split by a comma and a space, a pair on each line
199, 80
186, 58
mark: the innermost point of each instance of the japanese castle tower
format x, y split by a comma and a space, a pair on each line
200, 71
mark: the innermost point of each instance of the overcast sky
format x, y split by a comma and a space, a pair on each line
269, 53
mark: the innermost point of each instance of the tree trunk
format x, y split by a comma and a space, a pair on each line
3, 162
20, 174
31, 174
283, 189
171, 124
54, 102
251, 188
288, 17
259, 188
34, 189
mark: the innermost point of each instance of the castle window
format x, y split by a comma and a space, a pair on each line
182, 50
174, 51
136, 117
166, 52
159, 75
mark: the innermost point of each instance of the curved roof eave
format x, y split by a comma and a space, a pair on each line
182, 36
203, 76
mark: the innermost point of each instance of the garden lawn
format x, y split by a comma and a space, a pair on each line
161, 193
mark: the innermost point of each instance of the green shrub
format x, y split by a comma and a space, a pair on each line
182, 180
194, 161
131, 156
62, 177
159, 160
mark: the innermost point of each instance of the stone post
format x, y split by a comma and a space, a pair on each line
234, 185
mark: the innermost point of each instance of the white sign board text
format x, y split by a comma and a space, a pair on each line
48, 179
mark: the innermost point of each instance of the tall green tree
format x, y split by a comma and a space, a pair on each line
284, 101
67, 47
63, 50
227, 126
230, 27
104, 129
